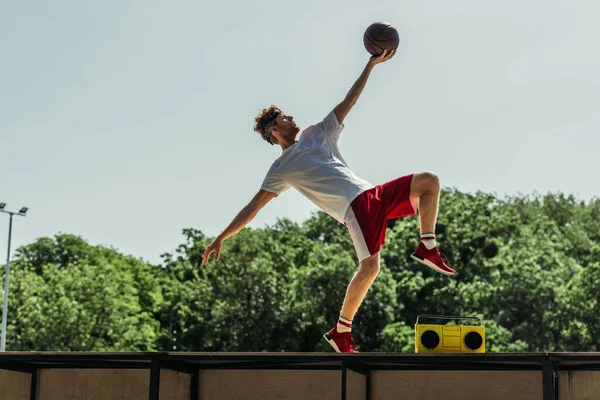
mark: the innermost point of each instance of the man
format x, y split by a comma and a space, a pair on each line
314, 166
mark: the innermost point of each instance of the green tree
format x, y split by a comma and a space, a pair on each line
68, 295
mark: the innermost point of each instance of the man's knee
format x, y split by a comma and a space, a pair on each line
430, 180
369, 267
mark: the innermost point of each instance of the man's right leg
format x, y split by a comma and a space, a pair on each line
359, 285
340, 337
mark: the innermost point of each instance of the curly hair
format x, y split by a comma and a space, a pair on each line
265, 120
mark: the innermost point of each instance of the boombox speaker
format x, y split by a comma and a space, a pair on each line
449, 338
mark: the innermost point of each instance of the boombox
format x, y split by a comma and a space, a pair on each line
449, 338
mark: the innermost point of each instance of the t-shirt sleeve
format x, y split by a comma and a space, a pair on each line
273, 182
332, 127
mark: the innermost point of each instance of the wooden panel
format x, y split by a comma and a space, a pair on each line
14, 385
270, 384
174, 385
457, 385
356, 386
93, 384
579, 385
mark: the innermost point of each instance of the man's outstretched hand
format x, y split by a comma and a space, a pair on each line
214, 247
383, 57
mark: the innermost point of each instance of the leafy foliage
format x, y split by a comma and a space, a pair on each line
529, 266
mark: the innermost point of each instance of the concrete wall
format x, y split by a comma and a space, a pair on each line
174, 385
356, 386
456, 385
93, 384
270, 384
14, 385
579, 385
133, 384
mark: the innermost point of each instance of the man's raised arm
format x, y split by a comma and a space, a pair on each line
241, 220
342, 109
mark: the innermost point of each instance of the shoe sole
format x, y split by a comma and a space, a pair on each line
431, 265
331, 342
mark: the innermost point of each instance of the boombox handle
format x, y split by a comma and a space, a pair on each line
446, 317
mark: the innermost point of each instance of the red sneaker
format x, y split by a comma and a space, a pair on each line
341, 342
433, 259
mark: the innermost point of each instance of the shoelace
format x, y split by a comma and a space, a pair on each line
350, 339
442, 256
352, 344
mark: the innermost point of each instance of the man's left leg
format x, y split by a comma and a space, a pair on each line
425, 190
340, 336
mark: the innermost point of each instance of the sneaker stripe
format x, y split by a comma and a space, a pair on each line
331, 342
417, 257
431, 265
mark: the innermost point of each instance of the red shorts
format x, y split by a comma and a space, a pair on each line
367, 215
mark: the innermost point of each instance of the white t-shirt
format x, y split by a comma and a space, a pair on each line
315, 167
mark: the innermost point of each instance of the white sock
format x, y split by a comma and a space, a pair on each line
428, 239
344, 325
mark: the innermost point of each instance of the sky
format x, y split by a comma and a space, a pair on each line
127, 121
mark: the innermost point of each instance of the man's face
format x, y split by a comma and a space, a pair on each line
285, 126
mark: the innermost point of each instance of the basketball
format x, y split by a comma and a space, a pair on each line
380, 36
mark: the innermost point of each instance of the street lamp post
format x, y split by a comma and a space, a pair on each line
22, 213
